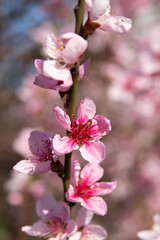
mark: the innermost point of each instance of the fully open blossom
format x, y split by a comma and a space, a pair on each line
85, 230
100, 16
83, 134
85, 190
40, 144
56, 223
65, 52
153, 234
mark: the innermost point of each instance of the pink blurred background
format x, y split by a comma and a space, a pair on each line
124, 82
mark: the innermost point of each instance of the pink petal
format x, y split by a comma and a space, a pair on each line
156, 219
20, 144
116, 24
64, 86
91, 173
38, 229
39, 65
99, 8
40, 144
51, 46
84, 217
62, 117
103, 124
62, 211
148, 235
45, 206
74, 49
65, 37
32, 167
103, 188
46, 82
71, 227
75, 236
55, 70
96, 205
83, 69
88, 4
93, 152
48, 208
70, 195
86, 110
75, 171
50, 83
63, 145
94, 232
41, 167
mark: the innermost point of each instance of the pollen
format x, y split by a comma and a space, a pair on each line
61, 47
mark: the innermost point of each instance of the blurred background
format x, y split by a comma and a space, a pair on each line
124, 82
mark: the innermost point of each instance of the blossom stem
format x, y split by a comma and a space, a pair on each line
71, 103
79, 13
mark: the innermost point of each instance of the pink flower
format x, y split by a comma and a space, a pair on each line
85, 231
59, 84
99, 14
65, 52
153, 234
83, 134
40, 144
85, 190
55, 224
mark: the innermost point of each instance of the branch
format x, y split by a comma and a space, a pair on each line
72, 93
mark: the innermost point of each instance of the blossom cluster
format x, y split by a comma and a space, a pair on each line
84, 133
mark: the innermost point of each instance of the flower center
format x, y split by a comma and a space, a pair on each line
57, 47
82, 190
56, 226
42, 152
81, 132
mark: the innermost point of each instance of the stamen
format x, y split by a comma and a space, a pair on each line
82, 131
61, 47
46, 152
